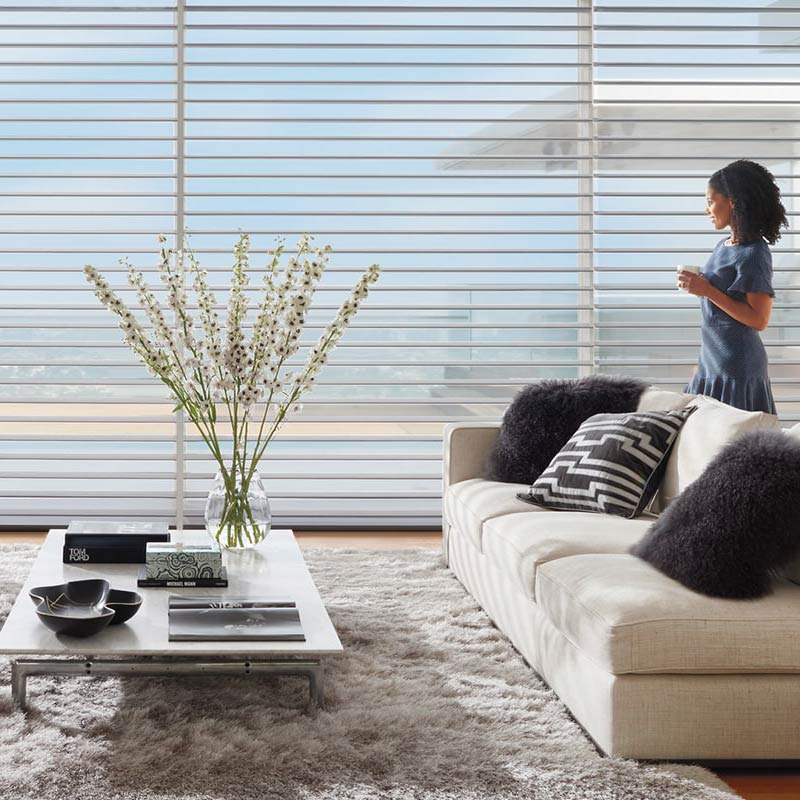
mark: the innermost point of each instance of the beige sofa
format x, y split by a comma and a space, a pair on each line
650, 669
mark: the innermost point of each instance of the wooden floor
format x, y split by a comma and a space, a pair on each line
372, 540
752, 784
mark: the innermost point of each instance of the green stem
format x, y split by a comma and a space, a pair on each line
237, 521
258, 453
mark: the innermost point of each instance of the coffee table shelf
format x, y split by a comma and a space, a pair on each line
141, 646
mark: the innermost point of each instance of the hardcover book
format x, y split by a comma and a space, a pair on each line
228, 618
118, 526
219, 581
187, 556
181, 602
111, 541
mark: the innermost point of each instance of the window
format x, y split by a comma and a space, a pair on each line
88, 174
679, 94
528, 175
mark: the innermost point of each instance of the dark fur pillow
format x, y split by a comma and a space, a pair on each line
740, 519
544, 415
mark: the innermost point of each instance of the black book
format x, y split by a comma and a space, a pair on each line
109, 548
178, 583
111, 541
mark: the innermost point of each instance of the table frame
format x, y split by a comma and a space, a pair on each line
23, 668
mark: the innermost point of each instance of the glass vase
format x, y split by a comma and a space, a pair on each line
238, 515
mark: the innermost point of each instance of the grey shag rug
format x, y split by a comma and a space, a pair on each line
428, 702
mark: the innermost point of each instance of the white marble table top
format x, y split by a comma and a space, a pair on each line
275, 567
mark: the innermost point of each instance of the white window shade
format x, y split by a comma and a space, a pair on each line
679, 94
516, 169
394, 134
87, 174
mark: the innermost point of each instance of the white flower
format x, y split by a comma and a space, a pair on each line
223, 384
220, 376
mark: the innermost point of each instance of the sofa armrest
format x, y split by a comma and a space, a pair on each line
466, 446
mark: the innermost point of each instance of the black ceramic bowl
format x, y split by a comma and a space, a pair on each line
76, 608
125, 604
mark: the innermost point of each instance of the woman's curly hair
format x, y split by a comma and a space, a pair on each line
757, 209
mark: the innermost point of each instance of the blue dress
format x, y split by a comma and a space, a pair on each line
733, 362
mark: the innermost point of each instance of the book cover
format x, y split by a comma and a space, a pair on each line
235, 624
181, 568
219, 582
185, 557
118, 526
179, 602
81, 548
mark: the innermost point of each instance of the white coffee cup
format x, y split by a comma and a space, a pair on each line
693, 268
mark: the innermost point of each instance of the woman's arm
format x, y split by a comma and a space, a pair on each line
754, 312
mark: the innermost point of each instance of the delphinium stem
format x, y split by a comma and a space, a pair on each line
237, 520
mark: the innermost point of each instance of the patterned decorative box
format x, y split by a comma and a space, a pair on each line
187, 556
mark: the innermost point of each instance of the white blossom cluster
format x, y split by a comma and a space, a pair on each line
135, 336
207, 368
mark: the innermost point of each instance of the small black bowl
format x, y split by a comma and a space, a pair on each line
125, 604
76, 608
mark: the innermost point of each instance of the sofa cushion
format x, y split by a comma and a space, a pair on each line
628, 617
468, 504
791, 570
728, 530
703, 435
655, 399
545, 414
518, 544
612, 464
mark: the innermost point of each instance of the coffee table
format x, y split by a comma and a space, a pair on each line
141, 646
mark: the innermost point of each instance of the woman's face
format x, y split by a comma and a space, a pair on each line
719, 208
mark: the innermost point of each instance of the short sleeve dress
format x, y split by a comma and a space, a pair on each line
733, 362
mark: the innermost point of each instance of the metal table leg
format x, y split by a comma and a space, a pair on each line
22, 668
316, 683
19, 682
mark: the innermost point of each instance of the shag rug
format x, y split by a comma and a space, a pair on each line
428, 702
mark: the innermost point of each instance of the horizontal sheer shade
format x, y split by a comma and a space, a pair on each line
91, 447
401, 135
528, 175
725, 82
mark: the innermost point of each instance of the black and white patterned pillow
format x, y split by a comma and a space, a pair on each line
612, 464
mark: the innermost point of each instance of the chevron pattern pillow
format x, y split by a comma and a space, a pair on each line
613, 463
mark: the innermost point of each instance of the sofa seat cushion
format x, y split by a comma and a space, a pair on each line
629, 618
468, 504
519, 544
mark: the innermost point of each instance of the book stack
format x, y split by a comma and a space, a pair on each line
188, 560
197, 619
109, 541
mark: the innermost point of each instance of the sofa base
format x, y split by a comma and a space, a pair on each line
714, 718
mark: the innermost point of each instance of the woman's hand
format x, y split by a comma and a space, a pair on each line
754, 312
695, 284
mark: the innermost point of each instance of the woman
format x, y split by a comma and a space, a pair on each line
736, 287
